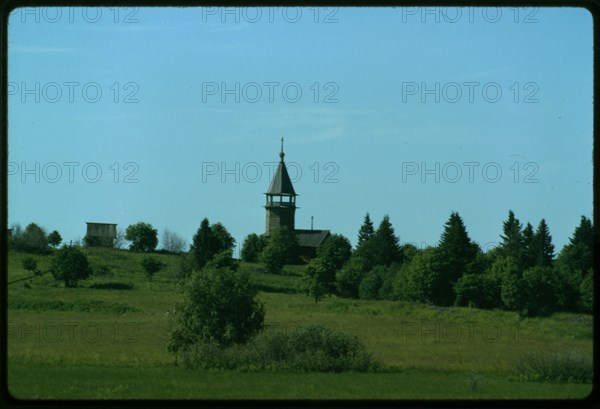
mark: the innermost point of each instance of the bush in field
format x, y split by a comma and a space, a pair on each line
253, 246
151, 266
378, 283
29, 264
70, 265
313, 348
220, 307
318, 279
348, 279
560, 367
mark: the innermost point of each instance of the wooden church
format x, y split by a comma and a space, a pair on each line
281, 211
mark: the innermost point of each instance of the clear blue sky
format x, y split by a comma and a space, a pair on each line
367, 117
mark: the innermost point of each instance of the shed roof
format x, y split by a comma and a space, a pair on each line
311, 238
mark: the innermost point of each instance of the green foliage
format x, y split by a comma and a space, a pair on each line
348, 279
386, 247
32, 240
281, 248
456, 253
319, 279
512, 239
409, 251
151, 266
419, 280
371, 283
527, 256
573, 263
587, 292
30, 265
367, 230
542, 249
219, 307
506, 276
224, 240
313, 348
541, 290
252, 247
477, 290
272, 259
54, 238
70, 265
552, 366
378, 283
209, 241
143, 237
335, 251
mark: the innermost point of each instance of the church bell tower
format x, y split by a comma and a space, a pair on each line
281, 198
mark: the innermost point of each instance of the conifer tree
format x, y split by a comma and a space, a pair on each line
456, 251
366, 230
386, 248
542, 247
512, 239
528, 260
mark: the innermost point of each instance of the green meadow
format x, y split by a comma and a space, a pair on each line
106, 339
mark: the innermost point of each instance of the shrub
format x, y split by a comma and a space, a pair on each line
312, 348
151, 266
318, 279
476, 290
418, 280
30, 265
348, 279
70, 265
370, 285
566, 367
252, 247
281, 248
219, 307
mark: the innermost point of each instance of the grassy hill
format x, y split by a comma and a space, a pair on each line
107, 338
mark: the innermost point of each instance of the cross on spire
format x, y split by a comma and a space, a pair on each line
281, 154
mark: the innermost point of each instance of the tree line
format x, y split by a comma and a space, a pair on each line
521, 274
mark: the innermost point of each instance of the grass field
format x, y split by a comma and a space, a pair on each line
109, 342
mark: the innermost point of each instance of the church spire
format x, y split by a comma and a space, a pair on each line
280, 198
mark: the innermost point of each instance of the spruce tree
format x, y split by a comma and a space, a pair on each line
528, 260
512, 239
386, 247
575, 262
542, 247
456, 251
584, 234
366, 230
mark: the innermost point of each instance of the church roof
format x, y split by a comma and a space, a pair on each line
311, 238
281, 183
